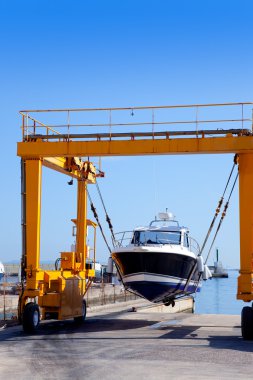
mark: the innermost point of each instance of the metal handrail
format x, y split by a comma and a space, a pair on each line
119, 241
194, 245
31, 131
141, 107
148, 123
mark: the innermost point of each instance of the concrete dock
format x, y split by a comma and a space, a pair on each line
119, 344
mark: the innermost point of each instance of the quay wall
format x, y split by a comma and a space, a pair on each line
102, 296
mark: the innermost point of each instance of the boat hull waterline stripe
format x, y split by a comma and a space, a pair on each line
152, 277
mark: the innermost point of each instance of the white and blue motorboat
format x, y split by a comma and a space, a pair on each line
1, 270
160, 262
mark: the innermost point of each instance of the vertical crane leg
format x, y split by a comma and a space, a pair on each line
245, 288
81, 223
30, 314
81, 248
33, 212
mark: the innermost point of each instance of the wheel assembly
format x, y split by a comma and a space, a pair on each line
81, 318
168, 302
247, 323
31, 317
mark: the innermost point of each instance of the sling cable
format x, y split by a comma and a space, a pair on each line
108, 220
202, 265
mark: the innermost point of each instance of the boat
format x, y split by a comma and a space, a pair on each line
218, 269
160, 262
1, 270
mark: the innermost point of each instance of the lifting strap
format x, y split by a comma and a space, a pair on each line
93, 209
219, 206
107, 216
222, 217
212, 224
214, 238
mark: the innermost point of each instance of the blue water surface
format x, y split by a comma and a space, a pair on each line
218, 296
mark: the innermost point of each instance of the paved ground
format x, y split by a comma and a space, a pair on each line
129, 345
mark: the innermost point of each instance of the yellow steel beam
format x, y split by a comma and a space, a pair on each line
59, 164
81, 225
33, 210
209, 145
245, 288
72, 166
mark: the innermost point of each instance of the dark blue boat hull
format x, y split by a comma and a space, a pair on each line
157, 276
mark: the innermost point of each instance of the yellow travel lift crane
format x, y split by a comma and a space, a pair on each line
57, 293
132, 131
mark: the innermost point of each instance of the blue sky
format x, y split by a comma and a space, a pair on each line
60, 54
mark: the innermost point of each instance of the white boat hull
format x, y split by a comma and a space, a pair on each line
157, 274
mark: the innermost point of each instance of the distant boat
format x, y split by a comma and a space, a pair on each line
218, 270
160, 262
1, 270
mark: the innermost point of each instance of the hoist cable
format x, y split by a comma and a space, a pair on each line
217, 230
212, 224
217, 211
106, 214
222, 218
93, 209
235, 163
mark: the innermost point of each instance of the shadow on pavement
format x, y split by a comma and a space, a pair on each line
57, 330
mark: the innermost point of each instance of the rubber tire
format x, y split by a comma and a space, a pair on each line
247, 323
82, 318
31, 317
193, 306
169, 303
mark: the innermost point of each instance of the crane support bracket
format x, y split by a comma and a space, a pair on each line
72, 166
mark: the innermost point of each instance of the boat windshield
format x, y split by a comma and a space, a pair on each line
156, 237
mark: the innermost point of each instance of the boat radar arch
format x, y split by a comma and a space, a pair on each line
166, 216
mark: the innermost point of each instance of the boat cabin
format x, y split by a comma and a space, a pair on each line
156, 235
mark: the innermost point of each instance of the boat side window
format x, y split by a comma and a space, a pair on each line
156, 237
136, 238
186, 240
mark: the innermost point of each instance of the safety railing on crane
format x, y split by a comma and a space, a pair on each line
152, 122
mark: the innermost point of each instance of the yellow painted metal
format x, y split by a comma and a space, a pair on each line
71, 297
204, 145
72, 166
60, 292
50, 300
68, 260
245, 288
81, 225
94, 225
33, 210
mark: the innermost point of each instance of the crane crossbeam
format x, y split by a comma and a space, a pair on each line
193, 145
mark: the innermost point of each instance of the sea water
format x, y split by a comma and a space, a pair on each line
218, 296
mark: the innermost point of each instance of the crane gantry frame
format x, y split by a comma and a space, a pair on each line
58, 146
